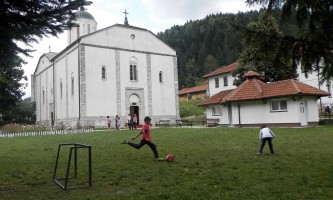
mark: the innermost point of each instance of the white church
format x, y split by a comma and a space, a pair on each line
118, 70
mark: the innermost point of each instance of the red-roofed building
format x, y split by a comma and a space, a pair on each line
197, 92
281, 103
221, 79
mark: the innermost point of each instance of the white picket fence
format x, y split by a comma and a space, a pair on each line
50, 132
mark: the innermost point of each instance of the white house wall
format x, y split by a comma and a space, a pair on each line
259, 112
211, 83
312, 109
312, 80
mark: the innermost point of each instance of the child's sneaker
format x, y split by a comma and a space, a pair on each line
125, 142
159, 159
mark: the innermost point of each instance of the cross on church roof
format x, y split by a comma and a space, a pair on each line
126, 21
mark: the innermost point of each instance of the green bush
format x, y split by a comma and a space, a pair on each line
190, 108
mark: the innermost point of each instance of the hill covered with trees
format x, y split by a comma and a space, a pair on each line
207, 44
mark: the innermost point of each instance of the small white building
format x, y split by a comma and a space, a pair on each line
313, 79
118, 70
281, 103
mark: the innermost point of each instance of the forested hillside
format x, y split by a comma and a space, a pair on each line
207, 44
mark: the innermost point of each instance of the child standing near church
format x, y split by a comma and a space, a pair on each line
145, 139
108, 119
117, 122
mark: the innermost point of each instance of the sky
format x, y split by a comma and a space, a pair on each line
154, 15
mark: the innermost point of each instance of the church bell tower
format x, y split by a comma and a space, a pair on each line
85, 24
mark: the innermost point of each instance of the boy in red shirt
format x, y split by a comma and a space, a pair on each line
145, 139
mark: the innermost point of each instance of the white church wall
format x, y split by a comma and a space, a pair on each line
128, 37
102, 97
163, 93
80, 91
73, 93
60, 89
43, 64
43, 93
140, 59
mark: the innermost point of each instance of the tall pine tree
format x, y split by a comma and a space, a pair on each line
264, 51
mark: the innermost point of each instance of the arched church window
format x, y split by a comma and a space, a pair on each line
133, 72
43, 95
60, 89
72, 84
160, 76
88, 28
103, 72
78, 30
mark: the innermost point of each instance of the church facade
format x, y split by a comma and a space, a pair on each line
118, 70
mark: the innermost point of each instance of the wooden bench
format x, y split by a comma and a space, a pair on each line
180, 122
212, 122
163, 122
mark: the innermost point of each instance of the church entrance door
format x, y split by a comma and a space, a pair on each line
135, 110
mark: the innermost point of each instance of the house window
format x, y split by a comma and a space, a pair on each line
225, 81
72, 85
217, 82
216, 110
133, 73
279, 106
103, 72
160, 76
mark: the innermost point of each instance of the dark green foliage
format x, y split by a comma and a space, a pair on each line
205, 45
22, 112
314, 42
265, 52
25, 21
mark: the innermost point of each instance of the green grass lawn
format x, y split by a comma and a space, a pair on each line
210, 163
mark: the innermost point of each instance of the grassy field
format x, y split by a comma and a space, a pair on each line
214, 163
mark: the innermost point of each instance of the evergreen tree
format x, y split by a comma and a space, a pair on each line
204, 42
314, 42
25, 21
264, 52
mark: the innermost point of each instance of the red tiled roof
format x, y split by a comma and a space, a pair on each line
222, 70
199, 88
216, 98
249, 90
291, 87
253, 89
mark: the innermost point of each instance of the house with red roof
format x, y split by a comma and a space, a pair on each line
221, 79
196, 92
281, 103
